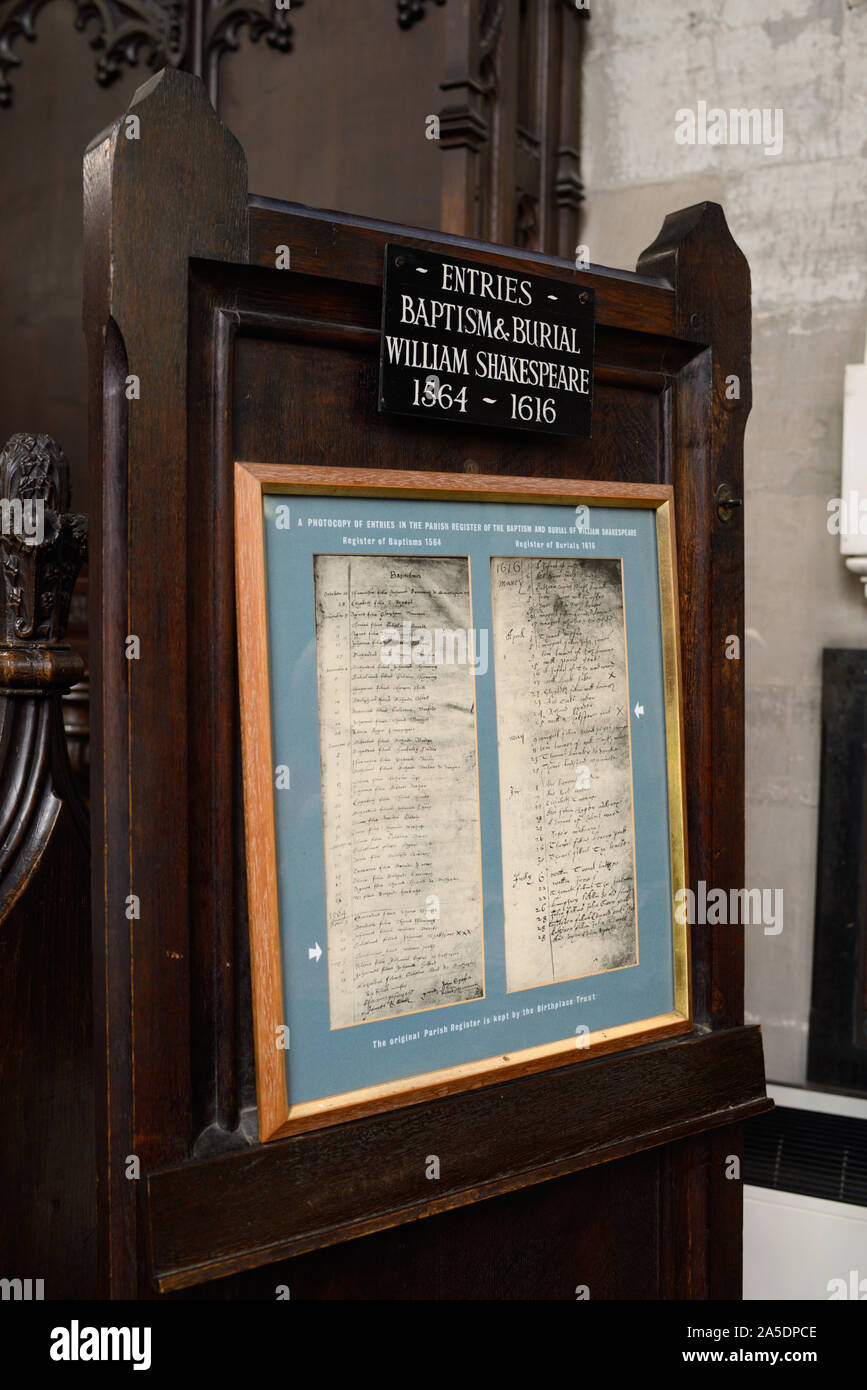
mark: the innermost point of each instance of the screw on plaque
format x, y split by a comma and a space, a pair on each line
726, 502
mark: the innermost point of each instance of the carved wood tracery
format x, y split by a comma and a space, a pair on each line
187, 34
42, 546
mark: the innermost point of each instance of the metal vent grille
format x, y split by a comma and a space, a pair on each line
807, 1152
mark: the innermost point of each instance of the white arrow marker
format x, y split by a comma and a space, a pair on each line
314, 952
639, 710
489, 400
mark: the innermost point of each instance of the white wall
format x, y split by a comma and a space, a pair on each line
801, 219
797, 1247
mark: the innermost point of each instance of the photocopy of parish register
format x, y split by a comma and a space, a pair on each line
400, 800
565, 771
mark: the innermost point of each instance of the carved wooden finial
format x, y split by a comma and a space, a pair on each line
42, 547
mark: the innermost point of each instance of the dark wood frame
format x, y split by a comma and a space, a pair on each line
837, 1051
181, 290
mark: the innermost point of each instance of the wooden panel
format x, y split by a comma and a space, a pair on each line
281, 366
538, 1243
224, 1214
286, 371
355, 252
339, 122
321, 415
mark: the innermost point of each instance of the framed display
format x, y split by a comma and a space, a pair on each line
463, 780
837, 1050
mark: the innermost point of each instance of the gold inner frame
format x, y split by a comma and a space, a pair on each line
277, 1117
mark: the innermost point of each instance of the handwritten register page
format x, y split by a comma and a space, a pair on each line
400, 800
565, 775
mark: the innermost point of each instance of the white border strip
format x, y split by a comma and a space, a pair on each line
823, 1102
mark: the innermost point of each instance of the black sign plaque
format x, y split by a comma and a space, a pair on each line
479, 344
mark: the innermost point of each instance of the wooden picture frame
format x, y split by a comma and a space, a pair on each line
278, 1115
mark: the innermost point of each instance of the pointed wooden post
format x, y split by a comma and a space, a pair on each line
166, 183
696, 253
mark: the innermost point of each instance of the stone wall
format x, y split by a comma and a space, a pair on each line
800, 216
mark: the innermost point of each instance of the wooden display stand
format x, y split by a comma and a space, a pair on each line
611, 1173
